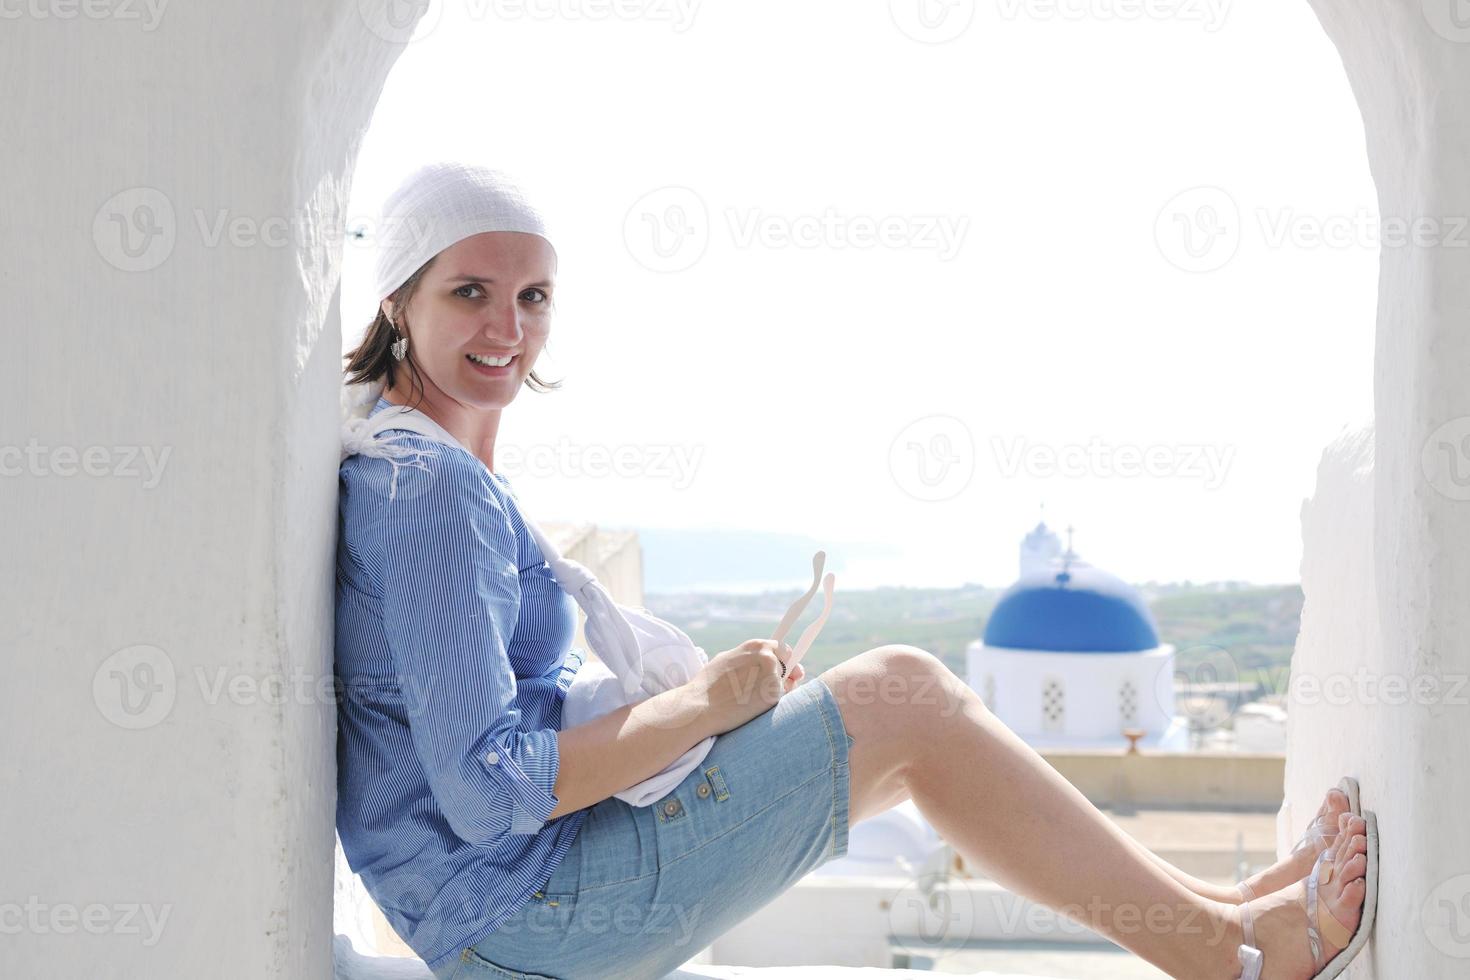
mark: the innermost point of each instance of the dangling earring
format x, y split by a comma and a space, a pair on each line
400, 346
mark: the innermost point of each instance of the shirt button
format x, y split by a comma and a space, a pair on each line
492, 757
671, 807
703, 789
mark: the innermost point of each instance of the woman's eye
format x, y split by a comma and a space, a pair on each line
539, 292
469, 285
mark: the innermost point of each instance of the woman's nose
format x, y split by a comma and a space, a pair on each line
503, 326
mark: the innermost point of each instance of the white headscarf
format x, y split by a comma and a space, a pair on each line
436, 206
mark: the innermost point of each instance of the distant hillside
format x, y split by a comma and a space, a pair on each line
1256, 626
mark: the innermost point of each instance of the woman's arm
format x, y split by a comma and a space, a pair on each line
626, 746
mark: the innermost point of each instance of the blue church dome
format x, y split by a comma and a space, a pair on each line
1072, 609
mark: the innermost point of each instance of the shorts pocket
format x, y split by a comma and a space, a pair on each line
473, 966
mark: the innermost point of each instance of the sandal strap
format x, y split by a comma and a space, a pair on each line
1251, 963
1316, 836
1246, 924
1251, 960
1320, 917
1314, 938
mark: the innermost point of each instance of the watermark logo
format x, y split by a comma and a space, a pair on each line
1446, 917
932, 458
1199, 230
677, 464
940, 233
931, 915
1367, 687
1445, 458
401, 21
668, 229
1209, 14
38, 918
148, 12
134, 230
1206, 687
1204, 462
135, 688
932, 21
1450, 19
122, 462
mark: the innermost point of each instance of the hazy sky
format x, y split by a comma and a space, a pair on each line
897, 273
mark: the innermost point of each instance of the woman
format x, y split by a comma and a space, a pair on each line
491, 837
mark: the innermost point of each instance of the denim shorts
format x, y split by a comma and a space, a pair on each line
643, 889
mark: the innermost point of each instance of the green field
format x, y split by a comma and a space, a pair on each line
1225, 631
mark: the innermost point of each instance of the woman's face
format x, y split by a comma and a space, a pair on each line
486, 297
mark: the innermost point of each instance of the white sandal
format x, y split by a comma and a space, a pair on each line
1320, 918
1317, 833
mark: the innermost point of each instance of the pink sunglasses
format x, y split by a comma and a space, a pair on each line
809, 635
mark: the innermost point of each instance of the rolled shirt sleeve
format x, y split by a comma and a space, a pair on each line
451, 598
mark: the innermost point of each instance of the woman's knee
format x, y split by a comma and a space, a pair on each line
907, 687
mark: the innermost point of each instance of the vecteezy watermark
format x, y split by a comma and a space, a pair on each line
136, 230
1361, 229
1445, 916
932, 458
1198, 230
138, 687
405, 21
1450, 19
549, 911
401, 21
1205, 687
147, 12
932, 21
1209, 14
669, 229
1201, 229
673, 462
1445, 458
1204, 462
38, 918
940, 233
123, 462
135, 687
1377, 688
937, 913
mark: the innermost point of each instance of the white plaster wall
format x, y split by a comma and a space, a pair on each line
1386, 567
216, 816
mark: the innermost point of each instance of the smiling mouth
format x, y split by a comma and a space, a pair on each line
487, 362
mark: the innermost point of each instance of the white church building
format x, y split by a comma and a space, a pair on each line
1071, 657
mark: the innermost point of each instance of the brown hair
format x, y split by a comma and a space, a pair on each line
373, 358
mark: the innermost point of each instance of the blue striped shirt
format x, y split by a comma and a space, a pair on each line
453, 652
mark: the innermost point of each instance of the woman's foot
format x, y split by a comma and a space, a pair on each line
1279, 920
1320, 834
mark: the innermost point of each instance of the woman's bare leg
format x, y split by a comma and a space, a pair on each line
878, 788
1001, 806
1290, 869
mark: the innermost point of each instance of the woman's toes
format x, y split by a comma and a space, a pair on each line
1347, 904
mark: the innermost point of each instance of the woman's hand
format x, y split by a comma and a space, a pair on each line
738, 684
